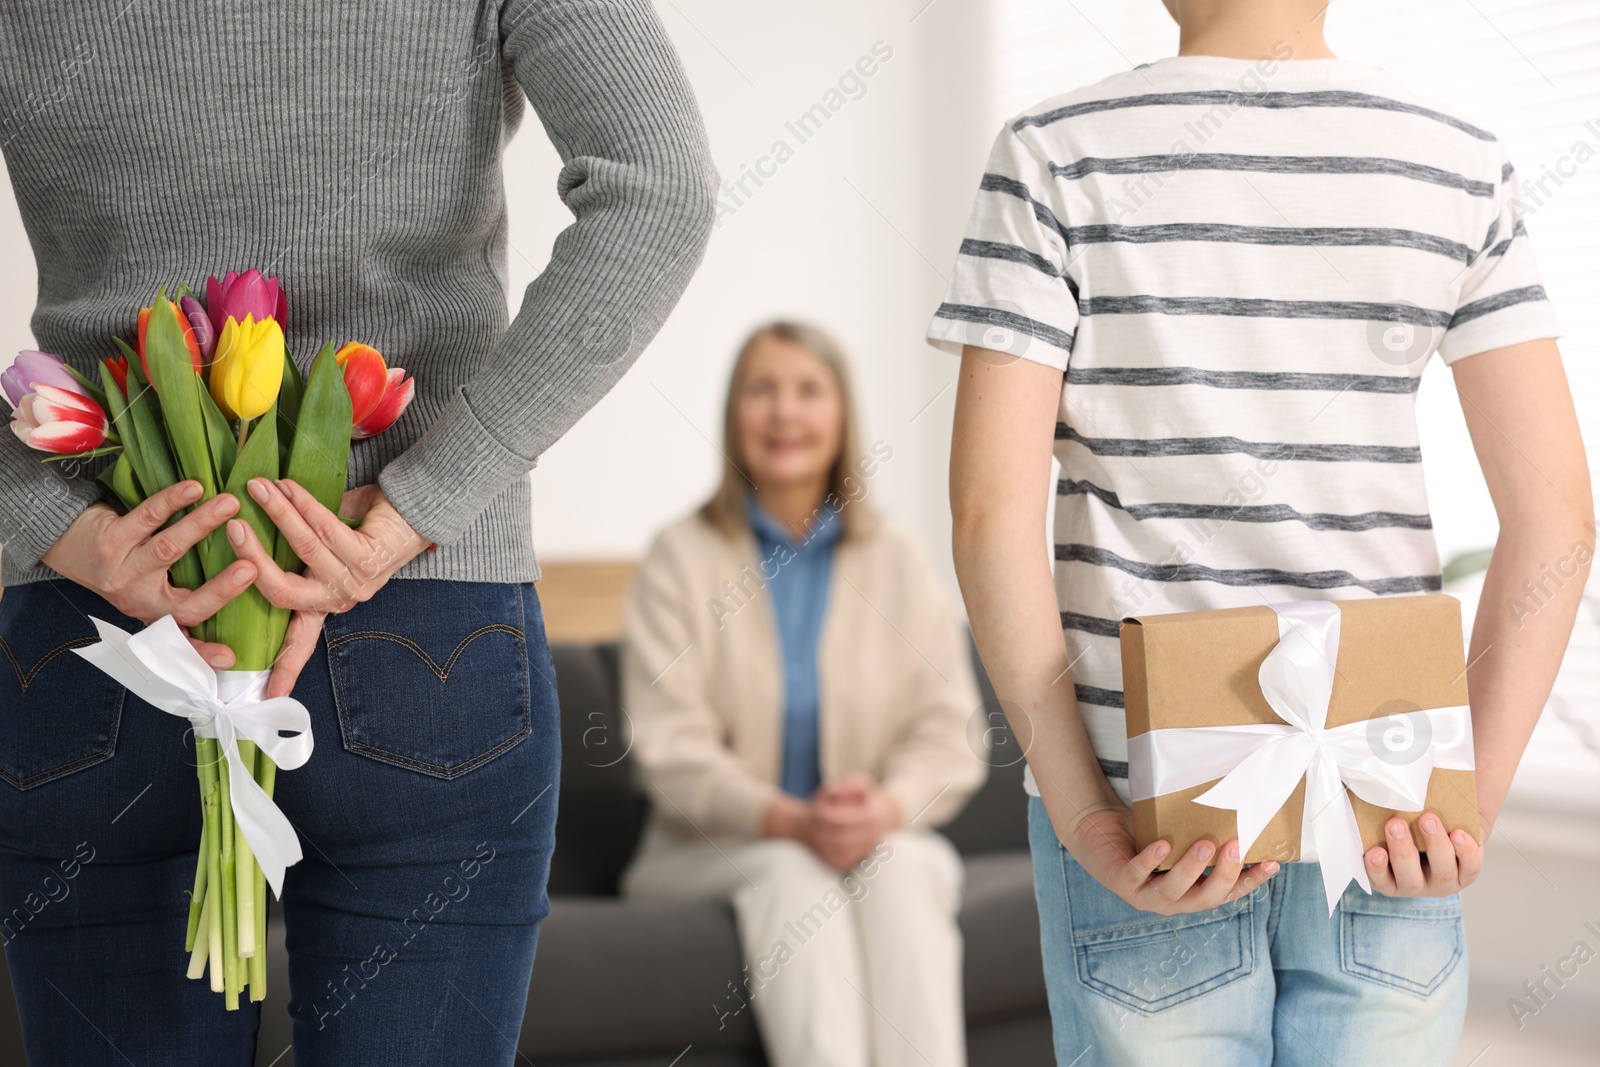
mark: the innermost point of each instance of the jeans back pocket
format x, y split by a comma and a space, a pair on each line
431, 675
1147, 961
1408, 943
58, 712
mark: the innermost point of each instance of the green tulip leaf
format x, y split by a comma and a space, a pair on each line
178, 387
319, 459
319, 454
120, 480
289, 396
144, 444
219, 436
176, 383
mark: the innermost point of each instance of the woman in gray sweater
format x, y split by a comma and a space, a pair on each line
354, 152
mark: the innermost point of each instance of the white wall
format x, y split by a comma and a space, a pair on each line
855, 231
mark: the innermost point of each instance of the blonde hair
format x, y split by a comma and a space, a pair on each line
726, 509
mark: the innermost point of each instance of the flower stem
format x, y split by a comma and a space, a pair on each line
267, 777
258, 962
230, 930
198, 896
199, 949
245, 868
208, 753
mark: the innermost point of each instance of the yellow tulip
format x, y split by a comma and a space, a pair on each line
248, 370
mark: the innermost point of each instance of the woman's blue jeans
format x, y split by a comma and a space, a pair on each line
426, 815
1267, 979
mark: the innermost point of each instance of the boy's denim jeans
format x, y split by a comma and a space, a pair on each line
1269, 978
426, 815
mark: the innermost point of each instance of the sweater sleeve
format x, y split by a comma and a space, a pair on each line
638, 177
37, 502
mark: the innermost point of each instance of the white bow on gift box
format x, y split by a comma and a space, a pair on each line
1260, 764
161, 667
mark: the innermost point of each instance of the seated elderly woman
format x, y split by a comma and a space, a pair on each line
800, 690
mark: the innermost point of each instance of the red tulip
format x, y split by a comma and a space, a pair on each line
57, 420
188, 339
378, 394
396, 397
365, 375
119, 371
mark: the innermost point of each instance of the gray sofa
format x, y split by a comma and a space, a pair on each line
624, 984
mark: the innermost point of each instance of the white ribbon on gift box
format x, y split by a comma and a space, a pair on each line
1261, 763
161, 667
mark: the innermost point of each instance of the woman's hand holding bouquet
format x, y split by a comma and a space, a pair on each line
212, 423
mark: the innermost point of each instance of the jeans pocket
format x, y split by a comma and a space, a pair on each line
1150, 962
431, 675
58, 712
1409, 943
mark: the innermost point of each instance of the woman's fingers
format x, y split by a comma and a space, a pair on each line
132, 529
308, 539
166, 546
299, 642
218, 655
298, 592
191, 607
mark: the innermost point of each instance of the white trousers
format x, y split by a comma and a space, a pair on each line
861, 969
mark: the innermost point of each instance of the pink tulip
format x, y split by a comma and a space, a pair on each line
238, 295
61, 421
396, 397
32, 369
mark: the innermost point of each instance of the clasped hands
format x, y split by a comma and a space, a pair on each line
842, 822
125, 558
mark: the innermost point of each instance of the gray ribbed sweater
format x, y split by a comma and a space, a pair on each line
354, 151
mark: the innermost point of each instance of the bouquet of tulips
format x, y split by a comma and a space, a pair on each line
209, 391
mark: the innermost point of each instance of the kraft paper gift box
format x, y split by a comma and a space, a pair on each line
1390, 677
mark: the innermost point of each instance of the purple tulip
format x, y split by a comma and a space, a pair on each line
32, 369
238, 295
204, 335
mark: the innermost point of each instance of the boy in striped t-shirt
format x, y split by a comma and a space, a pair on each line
1211, 284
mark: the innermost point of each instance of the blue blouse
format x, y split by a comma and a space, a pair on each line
799, 587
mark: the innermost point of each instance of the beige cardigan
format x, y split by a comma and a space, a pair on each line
702, 680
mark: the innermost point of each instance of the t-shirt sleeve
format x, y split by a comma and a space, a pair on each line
1502, 300
1009, 289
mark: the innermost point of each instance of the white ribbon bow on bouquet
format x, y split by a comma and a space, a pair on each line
1260, 764
161, 667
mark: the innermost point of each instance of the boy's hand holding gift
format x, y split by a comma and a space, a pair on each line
1308, 730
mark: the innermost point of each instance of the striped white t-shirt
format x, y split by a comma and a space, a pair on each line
1241, 268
